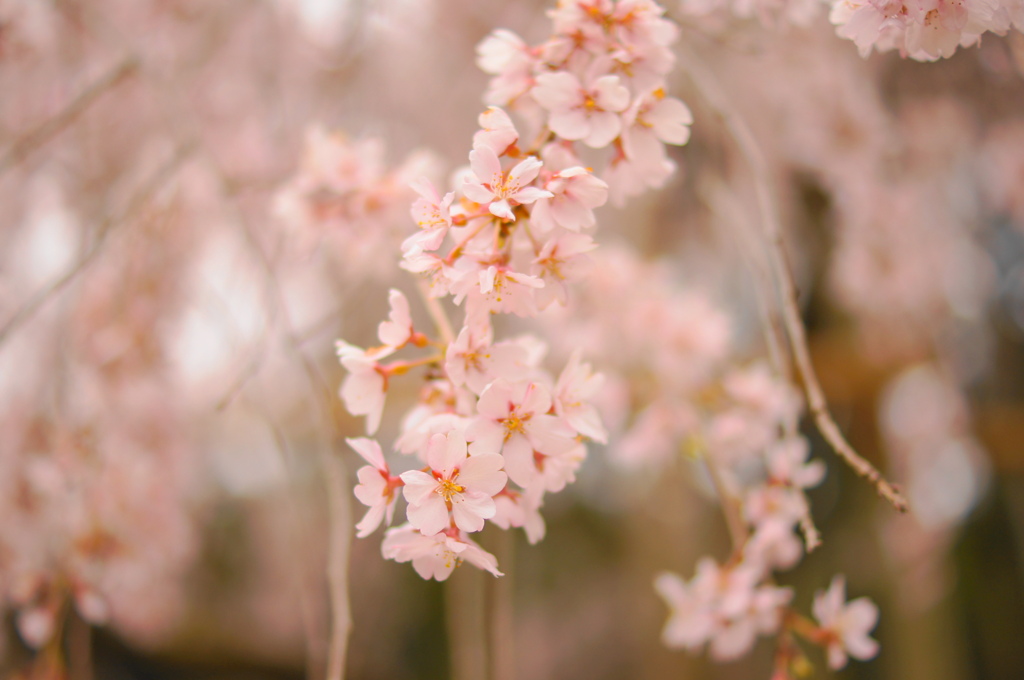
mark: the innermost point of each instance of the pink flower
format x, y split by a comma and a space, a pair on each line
432, 215
365, 387
490, 185
435, 556
627, 176
429, 266
473, 360
690, 620
559, 469
397, 330
558, 262
582, 113
506, 56
515, 509
432, 415
575, 194
457, 483
722, 606
643, 67
576, 386
494, 288
656, 119
845, 626
496, 130
787, 464
376, 487
641, 23
513, 418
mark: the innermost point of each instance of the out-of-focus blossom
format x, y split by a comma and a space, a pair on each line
845, 625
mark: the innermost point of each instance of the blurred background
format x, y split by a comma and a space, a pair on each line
173, 278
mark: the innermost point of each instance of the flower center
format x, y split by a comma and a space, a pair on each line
448, 488
513, 424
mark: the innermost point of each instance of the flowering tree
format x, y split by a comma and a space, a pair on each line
504, 358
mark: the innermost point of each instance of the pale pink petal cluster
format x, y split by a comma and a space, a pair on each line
723, 607
494, 430
845, 625
501, 191
455, 483
344, 196
925, 30
376, 488
604, 63
435, 557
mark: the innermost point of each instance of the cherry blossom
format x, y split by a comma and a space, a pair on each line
397, 330
500, 192
365, 388
845, 625
651, 121
464, 486
435, 557
560, 262
723, 607
432, 215
576, 386
376, 487
496, 130
494, 288
589, 114
506, 56
475, 360
513, 418
521, 510
575, 194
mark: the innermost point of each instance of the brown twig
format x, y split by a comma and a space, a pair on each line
772, 233
51, 127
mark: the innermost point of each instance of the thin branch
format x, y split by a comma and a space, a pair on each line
721, 199
772, 232
53, 126
136, 202
299, 541
812, 537
437, 313
339, 527
731, 506
339, 514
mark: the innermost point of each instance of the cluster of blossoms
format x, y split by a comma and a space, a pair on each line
345, 197
670, 353
760, 470
599, 80
925, 30
97, 493
493, 429
726, 606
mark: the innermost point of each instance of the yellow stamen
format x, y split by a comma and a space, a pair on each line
449, 488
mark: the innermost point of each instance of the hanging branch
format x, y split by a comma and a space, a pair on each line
772, 234
53, 126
